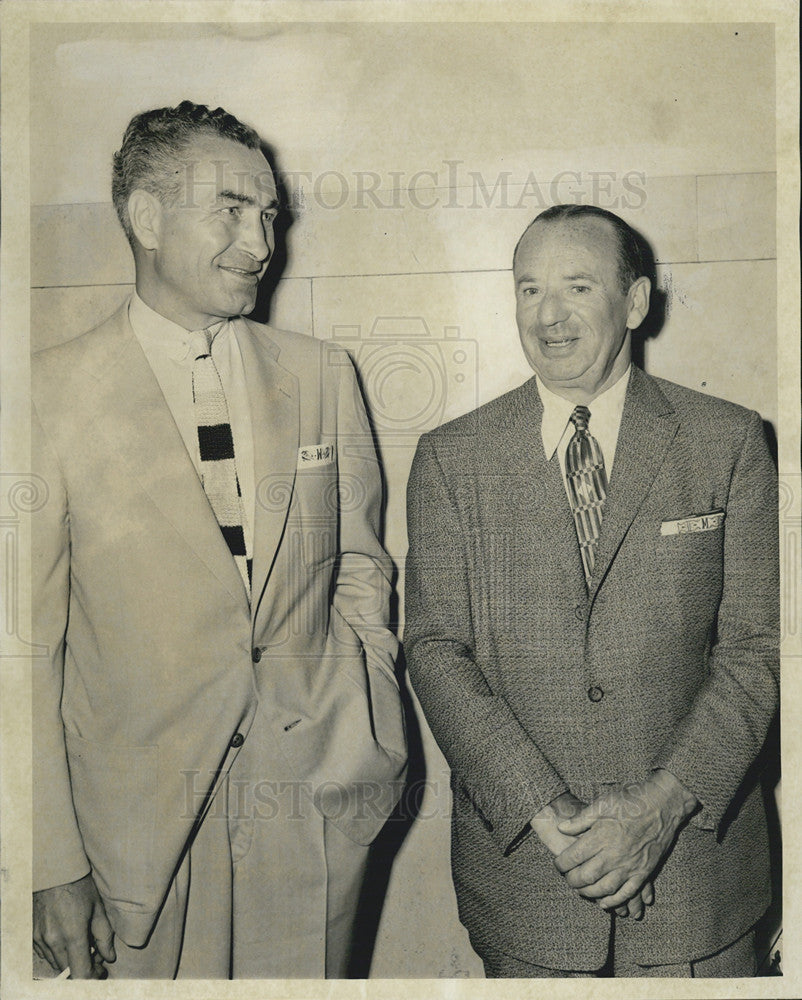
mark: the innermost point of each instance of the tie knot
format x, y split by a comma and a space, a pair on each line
580, 417
200, 343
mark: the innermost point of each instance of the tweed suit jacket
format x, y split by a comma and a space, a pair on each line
156, 659
679, 632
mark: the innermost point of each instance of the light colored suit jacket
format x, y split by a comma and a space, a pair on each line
156, 661
678, 632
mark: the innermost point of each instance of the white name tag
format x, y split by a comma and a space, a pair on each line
315, 454
691, 525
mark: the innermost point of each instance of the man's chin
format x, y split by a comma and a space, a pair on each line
240, 306
551, 371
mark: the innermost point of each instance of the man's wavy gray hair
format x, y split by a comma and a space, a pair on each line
152, 153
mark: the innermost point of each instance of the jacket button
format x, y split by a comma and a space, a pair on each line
237, 740
595, 694
256, 655
579, 612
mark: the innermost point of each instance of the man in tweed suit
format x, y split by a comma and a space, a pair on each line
601, 717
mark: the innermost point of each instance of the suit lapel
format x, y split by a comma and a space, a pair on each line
648, 426
273, 397
152, 450
544, 509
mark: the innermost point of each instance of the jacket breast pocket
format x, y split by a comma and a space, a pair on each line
690, 567
114, 790
692, 547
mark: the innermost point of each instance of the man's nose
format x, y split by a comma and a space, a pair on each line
255, 237
552, 308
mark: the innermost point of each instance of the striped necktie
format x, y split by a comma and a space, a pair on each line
587, 486
218, 469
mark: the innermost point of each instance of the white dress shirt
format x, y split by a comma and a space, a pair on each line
166, 347
605, 421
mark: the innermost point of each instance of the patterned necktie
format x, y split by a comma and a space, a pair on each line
218, 469
587, 486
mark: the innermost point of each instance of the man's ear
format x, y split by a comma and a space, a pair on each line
638, 302
145, 212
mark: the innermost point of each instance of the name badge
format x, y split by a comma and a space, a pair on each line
315, 454
692, 525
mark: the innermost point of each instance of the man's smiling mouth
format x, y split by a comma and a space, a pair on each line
557, 341
243, 272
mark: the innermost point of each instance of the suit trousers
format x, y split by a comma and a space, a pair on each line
734, 961
268, 890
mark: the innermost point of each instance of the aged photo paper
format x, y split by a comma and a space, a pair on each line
413, 142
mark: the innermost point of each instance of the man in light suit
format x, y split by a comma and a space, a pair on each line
592, 630
218, 735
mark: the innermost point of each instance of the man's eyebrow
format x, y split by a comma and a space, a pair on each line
243, 199
578, 276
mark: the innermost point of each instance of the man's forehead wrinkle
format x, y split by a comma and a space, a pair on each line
224, 158
565, 261
585, 233
568, 266
215, 179
230, 172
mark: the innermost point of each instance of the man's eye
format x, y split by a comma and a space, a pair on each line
531, 290
233, 210
580, 288
269, 217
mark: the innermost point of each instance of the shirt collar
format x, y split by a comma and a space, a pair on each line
157, 333
606, 407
